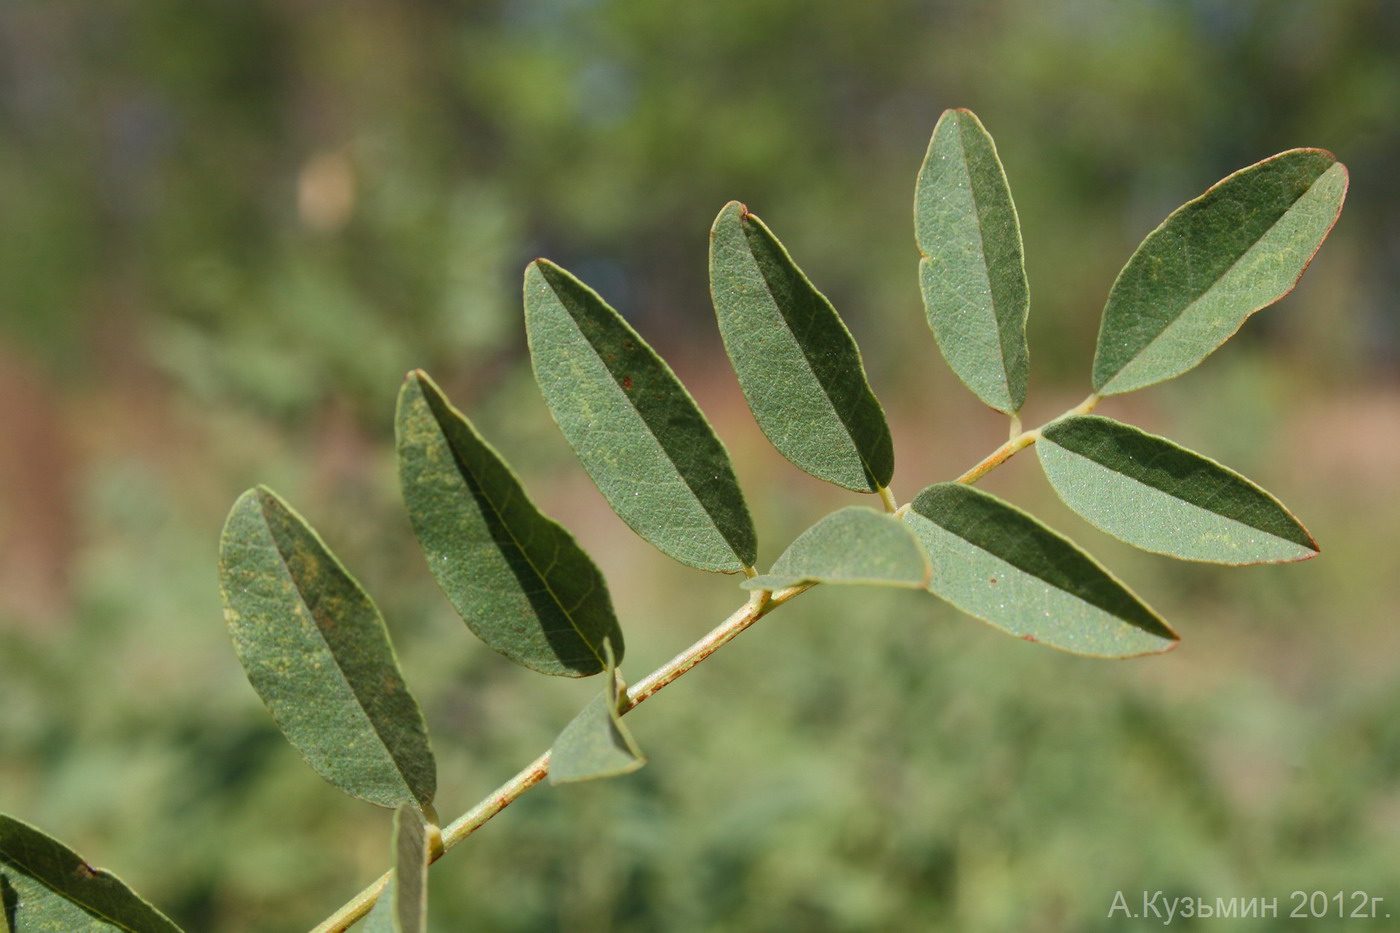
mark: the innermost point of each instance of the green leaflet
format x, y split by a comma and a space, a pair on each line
1161, 497
596, 744
797, 363
46, 887
518, 579
315, 649
853, 545
635, 428
1216, 260
972, 273
410, 871
402, 906
995, 562
380, 919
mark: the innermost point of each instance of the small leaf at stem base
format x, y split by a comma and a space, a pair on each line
852, 546
596, 743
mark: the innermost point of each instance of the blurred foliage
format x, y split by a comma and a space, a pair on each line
228, 228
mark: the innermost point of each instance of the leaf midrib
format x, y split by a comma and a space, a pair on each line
1190, 502
639, 411
972, 192
339, 667
472, 475
1132, 599
29, 872
806, 283
1186, 308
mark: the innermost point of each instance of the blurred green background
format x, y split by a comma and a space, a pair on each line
227, 228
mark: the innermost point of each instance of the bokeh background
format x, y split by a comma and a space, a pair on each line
227, 228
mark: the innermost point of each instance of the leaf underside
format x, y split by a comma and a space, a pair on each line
1164, 498
381, 918
46, 887
519, 580
596, 743
972, 274
797, 364
854, 545
316, 650
1236, 249
635, 428
410, 897
997, 563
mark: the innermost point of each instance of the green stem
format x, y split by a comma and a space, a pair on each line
999, 456
1021, 441
760, 604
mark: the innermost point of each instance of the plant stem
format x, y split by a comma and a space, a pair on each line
1020, 442
887, 499
999, 456
760, 604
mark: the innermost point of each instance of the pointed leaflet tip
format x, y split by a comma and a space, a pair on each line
972, 272
633, 425
1163, 498
998, 563
596, 743
1233, 251
410, 895
315, 648
48, 886
518, 579
798, 366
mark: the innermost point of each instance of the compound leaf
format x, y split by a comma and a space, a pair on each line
635, 428
853, 545
997, 563
596, 744
1164, 498
46, 887
797, 363
973, 274
315, 649
1216, 260
519, 580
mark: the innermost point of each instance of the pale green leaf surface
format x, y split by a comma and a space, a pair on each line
596, 743
410, 894
1164, 498
973, 274
854, 545
519, 580
797, 364
635, 428
380, 919
997, 563
48, 888
1216, 260
315, 649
